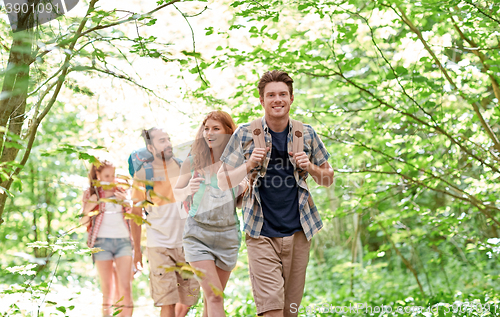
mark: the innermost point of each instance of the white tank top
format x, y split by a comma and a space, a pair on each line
112, 225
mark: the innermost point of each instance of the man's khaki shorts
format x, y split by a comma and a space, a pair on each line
278, 271
169, 288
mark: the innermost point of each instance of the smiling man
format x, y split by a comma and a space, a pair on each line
164, 236
280, 217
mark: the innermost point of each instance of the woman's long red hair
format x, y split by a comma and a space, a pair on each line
200, 149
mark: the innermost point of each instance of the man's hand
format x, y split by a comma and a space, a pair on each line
136, 239
257, 158
301, 160
138, 260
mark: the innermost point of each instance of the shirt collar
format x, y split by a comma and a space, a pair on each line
266, 127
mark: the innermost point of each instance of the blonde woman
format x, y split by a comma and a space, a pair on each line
109, 231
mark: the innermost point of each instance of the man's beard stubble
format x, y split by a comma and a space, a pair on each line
163, 155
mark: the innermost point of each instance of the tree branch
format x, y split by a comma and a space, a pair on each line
101, 27
482, 58
393, 70
45, 82
126, 78
410, 115
132, 18
194, 46
59, 83
464, 196
482, 12
415, 30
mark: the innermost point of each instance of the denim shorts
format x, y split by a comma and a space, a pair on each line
113, 248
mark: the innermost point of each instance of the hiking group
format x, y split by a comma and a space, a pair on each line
191, 216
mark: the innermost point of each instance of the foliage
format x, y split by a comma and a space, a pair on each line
44, 71
43, 63
404, 95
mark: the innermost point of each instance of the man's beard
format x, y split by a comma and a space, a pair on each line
163, 155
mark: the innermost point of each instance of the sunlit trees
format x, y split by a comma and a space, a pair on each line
406, 96
42, 62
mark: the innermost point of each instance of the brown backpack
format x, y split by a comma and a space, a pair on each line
260, 142
297, 132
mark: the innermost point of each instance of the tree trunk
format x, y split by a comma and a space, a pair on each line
13, 97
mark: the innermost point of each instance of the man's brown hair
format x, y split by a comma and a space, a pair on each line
146, 134
275, 76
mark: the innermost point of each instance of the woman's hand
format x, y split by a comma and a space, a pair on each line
90, 204
120, 194
194, 184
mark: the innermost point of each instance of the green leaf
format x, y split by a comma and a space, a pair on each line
236, 27
151, 22
13, 145
400, 70
137, 219
210, 30
193, 54
62, 309
390, 76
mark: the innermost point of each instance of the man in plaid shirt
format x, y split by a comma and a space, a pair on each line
279, 217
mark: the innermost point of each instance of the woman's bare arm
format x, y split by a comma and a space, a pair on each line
186, 185
89, 203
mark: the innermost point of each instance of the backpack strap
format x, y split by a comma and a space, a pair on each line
298, 136
148, 168
131, 167
298, 140
178, 161
258, 133
259, 141
298, 146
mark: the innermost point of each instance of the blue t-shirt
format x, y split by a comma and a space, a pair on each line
279, 192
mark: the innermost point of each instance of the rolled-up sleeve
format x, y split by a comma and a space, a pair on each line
319, 153
233, 153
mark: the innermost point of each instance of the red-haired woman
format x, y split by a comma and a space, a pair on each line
212, 235
109, 231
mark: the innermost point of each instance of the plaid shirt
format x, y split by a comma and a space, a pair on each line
238, 151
